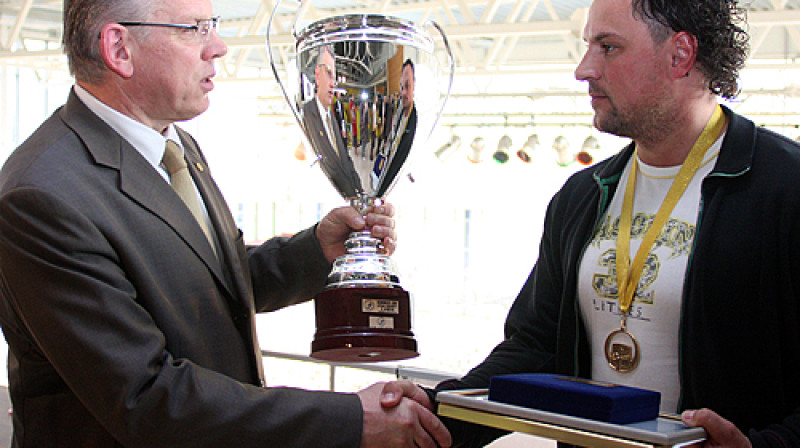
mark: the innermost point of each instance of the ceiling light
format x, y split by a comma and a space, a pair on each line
476, 147
528, 148
563, 155
590, 145
501, 155
449, 148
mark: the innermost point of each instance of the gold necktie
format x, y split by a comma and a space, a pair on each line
181, 181
329, 127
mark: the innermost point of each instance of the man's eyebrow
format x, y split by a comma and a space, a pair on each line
600, 36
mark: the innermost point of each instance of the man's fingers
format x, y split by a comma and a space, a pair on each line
721, 432
392, 394
394, 391
433, 432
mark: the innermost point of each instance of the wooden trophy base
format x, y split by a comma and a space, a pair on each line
363, 325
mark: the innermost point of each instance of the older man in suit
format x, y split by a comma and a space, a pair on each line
324, 134
127, 324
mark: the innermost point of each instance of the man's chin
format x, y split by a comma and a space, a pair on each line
598, 123
191, 113
603, 125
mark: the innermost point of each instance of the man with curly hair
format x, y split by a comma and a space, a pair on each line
672, 265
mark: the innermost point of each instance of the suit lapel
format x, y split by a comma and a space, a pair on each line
228, 235
336, 158
225, 229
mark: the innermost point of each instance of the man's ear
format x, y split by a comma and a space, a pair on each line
115, 47
684, 53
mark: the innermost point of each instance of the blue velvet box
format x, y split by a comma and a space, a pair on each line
611, 403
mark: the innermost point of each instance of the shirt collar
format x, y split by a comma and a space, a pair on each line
322, 109
149, 143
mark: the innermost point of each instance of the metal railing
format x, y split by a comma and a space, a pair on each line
418, 375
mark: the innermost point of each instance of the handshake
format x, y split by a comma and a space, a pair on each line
400, 414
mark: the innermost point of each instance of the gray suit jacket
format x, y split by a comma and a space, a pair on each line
123, 327
339, 169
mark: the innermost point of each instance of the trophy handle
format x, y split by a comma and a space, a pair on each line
452, 66
294, 110
300, 9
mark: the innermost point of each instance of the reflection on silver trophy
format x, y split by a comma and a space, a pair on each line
367, 91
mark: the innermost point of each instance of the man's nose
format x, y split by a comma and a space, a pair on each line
585, 69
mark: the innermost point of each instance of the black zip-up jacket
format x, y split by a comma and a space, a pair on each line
740, 320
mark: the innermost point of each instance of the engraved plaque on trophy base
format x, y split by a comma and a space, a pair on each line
363, 325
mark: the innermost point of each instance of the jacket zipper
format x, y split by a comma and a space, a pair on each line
602, 185
689, 261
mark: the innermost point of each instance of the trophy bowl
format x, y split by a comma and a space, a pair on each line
367, 91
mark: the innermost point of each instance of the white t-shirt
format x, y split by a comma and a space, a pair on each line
654, 317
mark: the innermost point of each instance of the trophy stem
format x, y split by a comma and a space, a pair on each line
363, 266
363, 203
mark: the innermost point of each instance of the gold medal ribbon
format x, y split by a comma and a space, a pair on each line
627, 274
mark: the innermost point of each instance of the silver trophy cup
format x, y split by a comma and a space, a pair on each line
367, 91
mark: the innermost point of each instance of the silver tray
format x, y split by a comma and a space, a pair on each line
473, 405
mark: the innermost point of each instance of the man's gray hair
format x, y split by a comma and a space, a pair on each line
326, 48
83, 22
